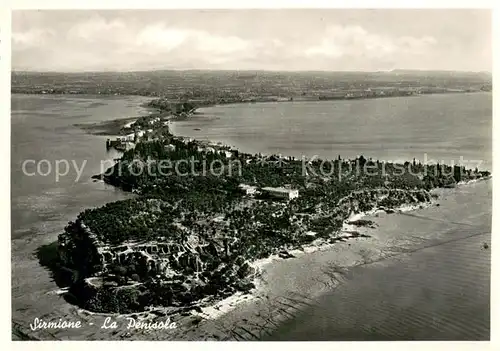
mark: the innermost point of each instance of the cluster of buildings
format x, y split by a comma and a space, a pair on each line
216, 148
123, 142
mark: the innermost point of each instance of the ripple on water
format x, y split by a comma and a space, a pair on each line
437, 293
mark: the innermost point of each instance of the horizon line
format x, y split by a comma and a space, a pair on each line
396, 70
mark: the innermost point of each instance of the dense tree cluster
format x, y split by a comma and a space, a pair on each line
175, 108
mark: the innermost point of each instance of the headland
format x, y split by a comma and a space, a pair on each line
194, 242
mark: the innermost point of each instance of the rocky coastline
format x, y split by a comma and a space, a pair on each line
81, 251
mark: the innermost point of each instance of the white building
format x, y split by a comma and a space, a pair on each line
130, 137
248, 189
281, 193
170, 147
226, 153
154, 120
206, 149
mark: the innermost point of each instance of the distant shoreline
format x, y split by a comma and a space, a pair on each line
114, 126
263, 99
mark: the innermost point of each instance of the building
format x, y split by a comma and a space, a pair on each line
281, 193
170, 147
119, 144
248, 189
154, 120
130, 137
206, 149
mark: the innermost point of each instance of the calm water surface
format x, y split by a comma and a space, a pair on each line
444, 127
438, 289
43, 129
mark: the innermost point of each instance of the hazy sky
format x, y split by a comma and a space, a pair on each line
331, 39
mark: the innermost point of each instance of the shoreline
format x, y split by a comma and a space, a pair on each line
330, 268
222, 307
210, 308
280, 260
263, 99
219, 308
288, 286
113, 127
284, 291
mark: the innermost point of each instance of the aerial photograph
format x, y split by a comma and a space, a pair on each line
251, 174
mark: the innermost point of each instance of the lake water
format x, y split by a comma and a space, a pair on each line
43, 129
443, 126
437, 288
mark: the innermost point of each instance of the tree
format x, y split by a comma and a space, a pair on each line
120, 271
362, 161
457, 173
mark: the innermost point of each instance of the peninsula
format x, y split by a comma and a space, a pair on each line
205, 213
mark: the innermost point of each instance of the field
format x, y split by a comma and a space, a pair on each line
247, 85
